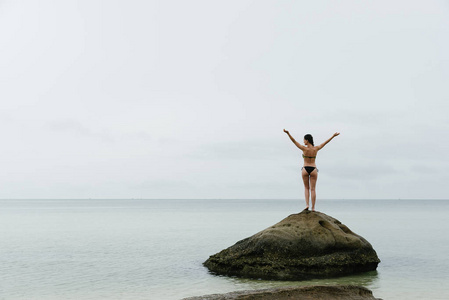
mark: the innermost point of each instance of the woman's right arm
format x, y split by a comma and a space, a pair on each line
324, 144
293, 140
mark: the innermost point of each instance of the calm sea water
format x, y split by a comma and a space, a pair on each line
154, 249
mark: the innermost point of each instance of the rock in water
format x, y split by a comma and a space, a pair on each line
302, 246
314, 292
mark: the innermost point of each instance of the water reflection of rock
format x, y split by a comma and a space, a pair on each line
367, 279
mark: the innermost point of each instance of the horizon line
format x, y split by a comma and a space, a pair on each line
290, 199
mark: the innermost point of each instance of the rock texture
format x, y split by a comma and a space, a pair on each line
339, 292
302, 246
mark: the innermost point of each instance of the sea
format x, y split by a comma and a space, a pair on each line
154, 249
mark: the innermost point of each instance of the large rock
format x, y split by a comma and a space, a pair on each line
302, 246
315, 292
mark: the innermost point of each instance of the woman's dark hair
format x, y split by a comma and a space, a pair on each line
309, 138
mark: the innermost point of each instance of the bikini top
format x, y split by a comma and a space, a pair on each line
304, 156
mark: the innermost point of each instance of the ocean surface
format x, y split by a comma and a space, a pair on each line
154, 249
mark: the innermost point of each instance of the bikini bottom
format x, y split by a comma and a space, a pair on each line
309, 169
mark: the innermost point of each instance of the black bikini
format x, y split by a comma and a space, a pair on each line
309, 169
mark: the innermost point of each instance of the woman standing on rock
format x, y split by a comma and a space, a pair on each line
309, 171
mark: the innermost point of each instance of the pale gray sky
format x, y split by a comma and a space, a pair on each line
188, 99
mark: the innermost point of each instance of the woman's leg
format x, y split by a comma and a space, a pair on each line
313, 180
305, 179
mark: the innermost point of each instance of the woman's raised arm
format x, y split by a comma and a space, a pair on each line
294, 142
330, 139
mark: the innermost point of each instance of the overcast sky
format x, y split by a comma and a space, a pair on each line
189, 99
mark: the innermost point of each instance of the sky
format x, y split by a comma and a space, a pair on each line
189, 99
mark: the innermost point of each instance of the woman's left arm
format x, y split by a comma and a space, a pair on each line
294, 141
330, 139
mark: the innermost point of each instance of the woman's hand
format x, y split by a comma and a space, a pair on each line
335, 134
286, 131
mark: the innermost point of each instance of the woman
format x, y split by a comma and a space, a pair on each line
309, 171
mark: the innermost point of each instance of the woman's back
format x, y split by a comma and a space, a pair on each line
309, 155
